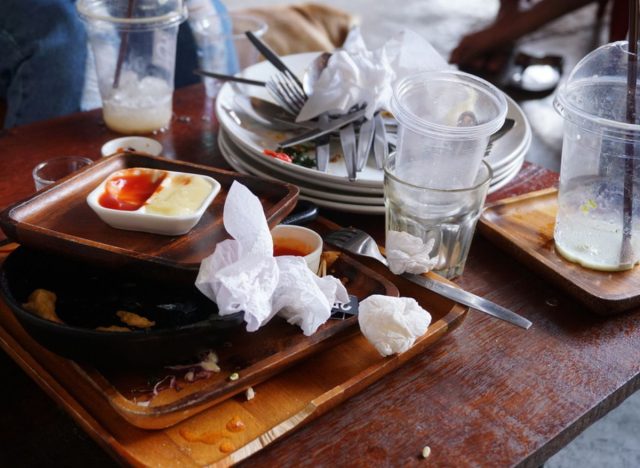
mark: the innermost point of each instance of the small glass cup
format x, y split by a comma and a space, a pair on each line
445, 119
52, 170
446, 216
226, 53
134, 45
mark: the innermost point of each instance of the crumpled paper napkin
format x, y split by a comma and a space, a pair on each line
392, 324
356, 75
407, 253
242, 275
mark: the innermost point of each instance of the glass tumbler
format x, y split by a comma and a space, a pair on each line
226, 52
446, 217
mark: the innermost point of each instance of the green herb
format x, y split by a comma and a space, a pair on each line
300, 154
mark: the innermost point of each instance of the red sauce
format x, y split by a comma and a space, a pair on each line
290, 247
129, 191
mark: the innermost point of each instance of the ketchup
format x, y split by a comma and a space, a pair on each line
128, 191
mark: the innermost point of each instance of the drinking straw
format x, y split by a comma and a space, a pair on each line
123, 47
626, 251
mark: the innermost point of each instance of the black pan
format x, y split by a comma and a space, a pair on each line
187, 323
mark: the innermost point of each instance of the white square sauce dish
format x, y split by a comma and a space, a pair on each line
153, 200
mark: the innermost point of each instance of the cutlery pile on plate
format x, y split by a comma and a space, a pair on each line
358, 135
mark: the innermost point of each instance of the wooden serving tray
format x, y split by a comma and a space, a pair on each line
58, 219
524, 226
282, 403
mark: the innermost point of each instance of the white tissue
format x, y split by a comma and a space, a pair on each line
392, 324
302, 297
355, 75
407, 253
243, 275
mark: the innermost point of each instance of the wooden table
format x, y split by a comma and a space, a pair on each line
489, 393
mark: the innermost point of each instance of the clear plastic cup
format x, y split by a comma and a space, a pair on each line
134, 45
52, 170
600, 164
226, 53
445, 120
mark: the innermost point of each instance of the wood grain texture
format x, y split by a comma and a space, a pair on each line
487, 394
523, 226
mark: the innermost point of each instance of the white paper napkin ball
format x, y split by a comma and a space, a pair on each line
392, 324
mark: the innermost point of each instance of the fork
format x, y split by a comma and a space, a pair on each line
359, 242
286, 91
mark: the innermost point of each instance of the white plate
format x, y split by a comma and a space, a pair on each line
256, 137
515, 142
515, 169
238, 166
233, 156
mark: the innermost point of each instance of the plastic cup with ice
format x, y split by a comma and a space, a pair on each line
134, 46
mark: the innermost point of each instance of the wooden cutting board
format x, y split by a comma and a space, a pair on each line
282, 404
523, 226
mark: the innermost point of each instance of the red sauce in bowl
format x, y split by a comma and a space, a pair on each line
290, 247
130, 190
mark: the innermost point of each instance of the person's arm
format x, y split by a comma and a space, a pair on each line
511, 24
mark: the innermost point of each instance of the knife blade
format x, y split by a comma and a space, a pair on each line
365, 138
348, 141
380, 146
469, 299
333, 125
323, 147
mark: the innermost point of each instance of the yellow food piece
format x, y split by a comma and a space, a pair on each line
43, 303
181, 195
113, 328
134, 320
330, 257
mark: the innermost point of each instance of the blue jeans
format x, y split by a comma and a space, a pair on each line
42, 59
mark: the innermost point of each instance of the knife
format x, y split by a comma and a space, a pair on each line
469, 299
333, 125
348, 141
380, 145
223, 77
365, 138
323, 147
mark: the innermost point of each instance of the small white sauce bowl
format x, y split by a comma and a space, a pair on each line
124, 144
140, 220
309, 238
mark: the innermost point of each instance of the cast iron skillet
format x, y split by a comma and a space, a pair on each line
187, 323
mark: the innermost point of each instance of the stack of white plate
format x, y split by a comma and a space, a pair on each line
243, 139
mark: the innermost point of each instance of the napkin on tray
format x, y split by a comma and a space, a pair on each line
392, 324
242, 275
356, 75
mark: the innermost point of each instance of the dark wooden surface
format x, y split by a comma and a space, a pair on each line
488, 394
